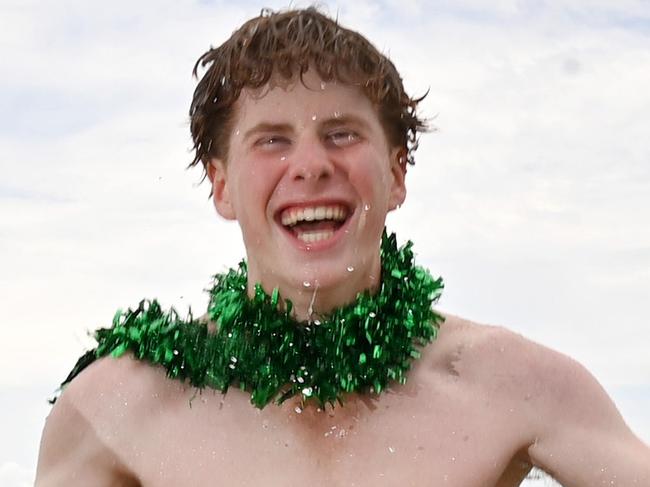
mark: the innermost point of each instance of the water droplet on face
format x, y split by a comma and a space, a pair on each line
350, 268
298, 409
236, 132
283, 158
306, 283
322, 85
337, 114
313, 117
366, 207
391, 449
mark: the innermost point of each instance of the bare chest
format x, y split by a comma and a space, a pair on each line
410, 435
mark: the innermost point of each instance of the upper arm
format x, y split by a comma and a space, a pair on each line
580, 436
553, 405
72, 451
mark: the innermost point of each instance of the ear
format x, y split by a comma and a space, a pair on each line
398, 171
218, 176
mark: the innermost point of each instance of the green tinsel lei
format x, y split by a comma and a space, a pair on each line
257, 346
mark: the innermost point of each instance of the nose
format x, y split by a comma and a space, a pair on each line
310, 162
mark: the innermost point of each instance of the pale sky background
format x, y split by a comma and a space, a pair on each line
532, 199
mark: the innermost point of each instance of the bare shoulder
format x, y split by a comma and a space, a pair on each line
513, 368
109, 384
568, 424
500, 357
85, 436
479, 352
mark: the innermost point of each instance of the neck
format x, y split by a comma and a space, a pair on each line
361, 347
313, 298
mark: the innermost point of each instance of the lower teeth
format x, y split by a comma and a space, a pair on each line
311, 237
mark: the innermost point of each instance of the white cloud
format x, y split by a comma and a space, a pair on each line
13, 475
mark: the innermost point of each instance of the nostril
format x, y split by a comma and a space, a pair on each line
307, 175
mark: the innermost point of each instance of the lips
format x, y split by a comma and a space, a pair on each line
314, 223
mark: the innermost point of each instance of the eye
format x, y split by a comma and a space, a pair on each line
342, 137
272, 142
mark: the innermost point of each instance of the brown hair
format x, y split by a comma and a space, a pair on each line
288, 44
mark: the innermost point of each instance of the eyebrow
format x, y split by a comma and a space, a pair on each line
328, 123
344, 119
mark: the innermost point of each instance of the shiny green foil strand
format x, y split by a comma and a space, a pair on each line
255, 343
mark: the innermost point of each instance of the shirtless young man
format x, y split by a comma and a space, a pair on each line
331, 127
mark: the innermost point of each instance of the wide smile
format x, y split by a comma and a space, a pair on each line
314, 226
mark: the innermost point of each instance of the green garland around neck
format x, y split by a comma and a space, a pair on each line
359, 347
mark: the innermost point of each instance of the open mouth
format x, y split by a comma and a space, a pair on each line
312, 224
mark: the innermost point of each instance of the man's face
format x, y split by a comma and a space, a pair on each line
310, 178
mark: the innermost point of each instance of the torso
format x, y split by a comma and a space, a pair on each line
443, 427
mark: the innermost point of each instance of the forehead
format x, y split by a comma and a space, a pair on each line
299, 100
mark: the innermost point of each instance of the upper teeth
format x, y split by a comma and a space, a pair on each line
291, 216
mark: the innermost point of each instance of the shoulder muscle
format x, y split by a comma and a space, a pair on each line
80, 444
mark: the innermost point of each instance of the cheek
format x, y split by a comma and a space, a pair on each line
256, 182
371, 181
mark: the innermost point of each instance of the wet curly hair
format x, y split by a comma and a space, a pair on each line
287, 44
